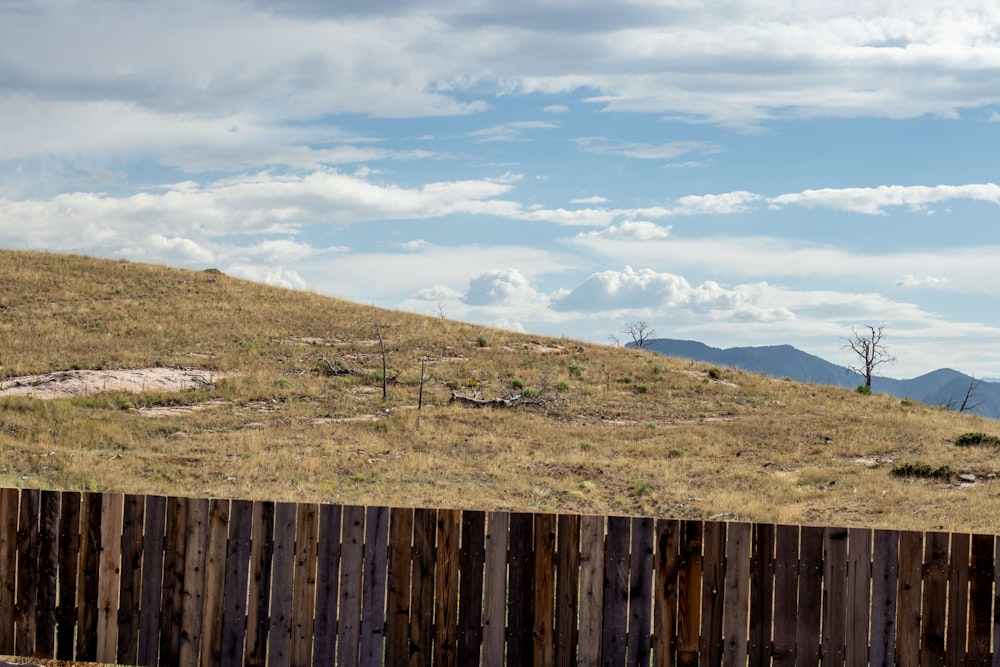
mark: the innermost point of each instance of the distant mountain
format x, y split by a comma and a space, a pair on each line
941, 387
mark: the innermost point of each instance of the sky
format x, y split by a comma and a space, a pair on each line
740, 173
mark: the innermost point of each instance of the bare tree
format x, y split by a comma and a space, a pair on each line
385, 370
969, 401
640, 332
870, 350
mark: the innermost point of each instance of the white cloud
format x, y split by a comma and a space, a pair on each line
875, 200
596, 199
270, 275
501, 287
513, 131
643, 151
910, 280
636, 230
555, 108
722, 204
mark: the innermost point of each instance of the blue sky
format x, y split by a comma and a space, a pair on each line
740, 173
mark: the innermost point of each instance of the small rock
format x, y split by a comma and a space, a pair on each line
968, 478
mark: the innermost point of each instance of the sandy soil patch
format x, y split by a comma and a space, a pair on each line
64, 384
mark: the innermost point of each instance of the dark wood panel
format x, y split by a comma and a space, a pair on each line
472, 557
279, 637
810, 605
761, 594
520, 589
885, 575
422, 587
69, 566
449, 542
567, 589
859, 597
304, 584
27, 572
908, 589
543, 606
48, 575
373, 606
234, 606
591, 589
668, 540
400, 579
834, 632
495, 585
689, 594
736, 605
958, 598
215, 582
980, 600
352, 553
713, 585
259, 595
9, 499
153, 527
89, 563
786, 583
109, 576
327, 584
935, 599
640, 603
193, 587
130, 595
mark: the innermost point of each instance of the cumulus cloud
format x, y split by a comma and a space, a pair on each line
633, 230
501, 287
270, 275
875, 201
721, 204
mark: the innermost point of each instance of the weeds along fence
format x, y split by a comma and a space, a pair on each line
151, 580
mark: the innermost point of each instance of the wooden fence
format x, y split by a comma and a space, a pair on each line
149, 580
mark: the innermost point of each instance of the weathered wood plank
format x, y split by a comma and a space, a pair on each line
69, 567
495, 593
172, 591
279, 636
713, 584
400, 579
834, 632
640, 602
259, 596
689, 594
130, 594
234, 606
567, 589
885, 573
27, 572
472, 557
109, 581
807, 627
543, 607
304, 584
668, 540
352, 554
8, 567
153, 528
210, 651
996, 605
449, 543
761, 594
519, 589
736, 603
908, 589
196, 537
89, 563
958, 598
48, 575
786, 582
614, 640
373, 607
591, 590
859, 600
935, 599
980, 600
327, 585
422, 587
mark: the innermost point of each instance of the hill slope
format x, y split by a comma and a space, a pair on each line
299, 411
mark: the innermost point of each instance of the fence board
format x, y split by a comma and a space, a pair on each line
472, 558
885, 573
279, 636
215, 583
859, 601
352, 554
172, 592
519, 589
591, 589
543, 606
373, 607
400, 555
737, 593
109, 581
422, 587
980, 601
234, 605
911, 558
27, 572
495, 584
131, 580
761, 594
834, 631
668, 539
193, 587
69, 565
786, 582
449, 536
614, 640
996, 613
567, 589
327, 586
48, 575
958, 598
713, 583
689, 594
640, 591
304, 584
259, 595
935, 597
807, 627
8, 567
153, 526
89, 563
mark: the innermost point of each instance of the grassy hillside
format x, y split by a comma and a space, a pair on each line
618, 431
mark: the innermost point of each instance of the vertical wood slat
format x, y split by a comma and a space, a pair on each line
859, 598
786, 581
352, 556
422, 587
996, 604
958, 598
472, 556
519, 589
259, 595
400, 576
640, 591
232, 643
109, 571
935, 598
689, 584
279, 635
908, 589
8, 567
980, 600
591, 589
373, 599
713, 582
304, 584
69, 566
449, 535
495, 585
215, 582
834, 632
614, 639
153, 527
48, 575
761, 594
89, 563
543, 606
810, 604
736, 605
668, 541
172, 590
27, 572
327, 586
193, 588
130, 601
567, 587
885, 573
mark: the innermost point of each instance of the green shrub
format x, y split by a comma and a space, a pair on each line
972, 439
587, 445
924, 471
675, 452
642, 388
482, 341
715, 373
575, 369
283, 383
864, 390
517, 383
642, 488
561, 386
531, 392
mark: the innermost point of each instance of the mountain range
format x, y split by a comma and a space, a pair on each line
941, 387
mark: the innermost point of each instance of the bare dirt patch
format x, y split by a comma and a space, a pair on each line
63, 384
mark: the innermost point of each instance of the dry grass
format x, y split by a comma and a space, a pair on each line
632, 432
